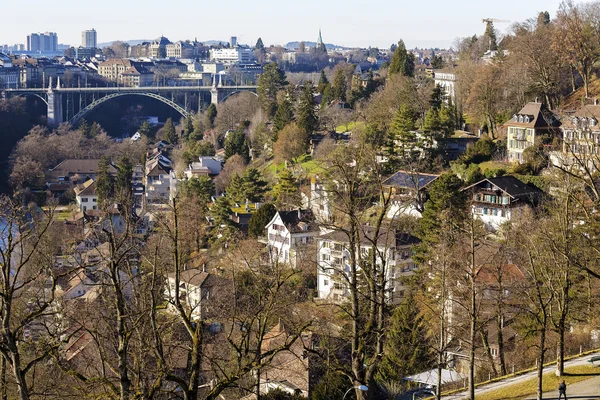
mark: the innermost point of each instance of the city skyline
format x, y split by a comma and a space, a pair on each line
349, 24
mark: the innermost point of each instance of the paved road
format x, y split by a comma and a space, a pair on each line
588, 389
509, 381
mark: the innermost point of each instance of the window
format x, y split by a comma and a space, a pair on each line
325, 257
84, 199
325, 282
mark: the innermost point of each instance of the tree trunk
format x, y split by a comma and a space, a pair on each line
500, 340
486, 348
540, 366
3, 378
19, 378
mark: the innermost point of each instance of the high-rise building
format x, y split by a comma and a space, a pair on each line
233, 41
42, 42
89, 39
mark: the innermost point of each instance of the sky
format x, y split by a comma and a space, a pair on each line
351, 23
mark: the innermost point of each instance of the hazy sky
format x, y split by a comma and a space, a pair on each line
350, 23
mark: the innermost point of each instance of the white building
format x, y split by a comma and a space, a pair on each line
497, 201
196, 287
289, 235
408, 192
157, 180
86, 197
89, 39
236, 55
447, 80
333, 257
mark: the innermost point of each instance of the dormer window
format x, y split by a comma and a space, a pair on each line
515, 118
575, 121
526, 119
520, 118
593, 121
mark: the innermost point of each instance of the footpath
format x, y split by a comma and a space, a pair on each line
572, 391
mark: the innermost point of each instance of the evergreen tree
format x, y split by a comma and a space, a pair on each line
406, 350
323, 82
221, 211
189, 127
104, 181
211, 114
437, 62
402, 136
327, 96
490, 36
144, 129
235, 190
307, 116
259, 45
85, 129
437, 97
169, 132
201, 188
123, 181
287, 192
402, 62
432, 122
260, 219
236, 143
253, 186
271, 81
446, 203
340, 86
284, 114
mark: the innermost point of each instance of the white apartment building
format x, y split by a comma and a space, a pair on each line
236, 55
289, 235
89, 39
333, 257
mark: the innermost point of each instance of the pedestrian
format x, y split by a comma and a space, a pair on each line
562, 390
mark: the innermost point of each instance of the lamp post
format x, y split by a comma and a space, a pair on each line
361, 387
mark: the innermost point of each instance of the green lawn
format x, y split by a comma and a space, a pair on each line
310, 167
528, 388
486, 165
349, 127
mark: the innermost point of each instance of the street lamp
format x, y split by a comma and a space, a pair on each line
361, 387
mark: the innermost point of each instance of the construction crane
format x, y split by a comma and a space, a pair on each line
492, 20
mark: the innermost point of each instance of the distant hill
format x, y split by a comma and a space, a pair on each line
130, 42
294, 45
135, 42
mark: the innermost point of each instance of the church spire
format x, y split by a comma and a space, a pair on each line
320, 39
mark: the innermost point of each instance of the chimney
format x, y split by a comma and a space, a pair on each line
299, 214
536, 99
595, 101
204, 267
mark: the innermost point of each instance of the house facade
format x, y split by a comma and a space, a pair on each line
580, 138
287, 233
157, 179
86, 197
408, 192
533, 125
394, 251
500, 200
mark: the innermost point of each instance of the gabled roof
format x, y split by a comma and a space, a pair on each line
88, 188
296, 221
489, 274
193, 276
387, 237
511, 186
86, 166
584, 114
410, 180
537, 115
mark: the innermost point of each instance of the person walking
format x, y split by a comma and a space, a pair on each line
562, 390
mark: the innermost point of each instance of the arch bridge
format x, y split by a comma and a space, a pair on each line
62, 106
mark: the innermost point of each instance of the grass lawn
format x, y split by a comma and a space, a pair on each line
310, 167
349, 127
528, 387
486, 165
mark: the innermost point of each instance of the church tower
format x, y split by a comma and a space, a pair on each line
320, 45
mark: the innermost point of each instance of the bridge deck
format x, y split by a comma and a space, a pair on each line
114, 89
